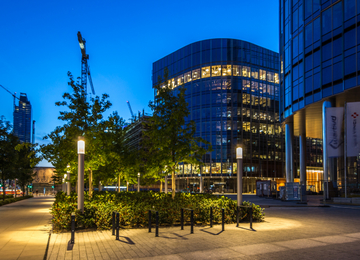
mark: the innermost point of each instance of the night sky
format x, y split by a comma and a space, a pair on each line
39, 46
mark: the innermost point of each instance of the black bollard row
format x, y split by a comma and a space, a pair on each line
72, 241
237, 216
192, 222
191, 219
149, 220
117, 225
251, 217
211, 217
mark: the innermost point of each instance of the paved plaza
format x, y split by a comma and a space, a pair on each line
288, 233
24, 228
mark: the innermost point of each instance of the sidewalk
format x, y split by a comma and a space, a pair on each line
287, 233
24, 228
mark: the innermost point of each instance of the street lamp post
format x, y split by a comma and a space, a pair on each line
81, 155
138, 182
68, 188
239, 158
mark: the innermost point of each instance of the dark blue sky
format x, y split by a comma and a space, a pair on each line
39, 45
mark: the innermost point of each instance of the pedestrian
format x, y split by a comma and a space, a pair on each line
36, 192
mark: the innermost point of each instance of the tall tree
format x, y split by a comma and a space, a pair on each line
171, 138
81, 118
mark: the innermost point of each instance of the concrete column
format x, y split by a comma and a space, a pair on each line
302, 141
325, 159
289, 162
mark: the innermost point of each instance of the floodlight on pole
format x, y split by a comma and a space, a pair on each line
81, 155
239, 158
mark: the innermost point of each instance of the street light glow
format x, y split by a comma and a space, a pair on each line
81, 146
239, 153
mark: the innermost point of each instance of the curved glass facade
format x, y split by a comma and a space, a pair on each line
233, 97
319, 51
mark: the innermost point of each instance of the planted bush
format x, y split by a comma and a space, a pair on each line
134, 206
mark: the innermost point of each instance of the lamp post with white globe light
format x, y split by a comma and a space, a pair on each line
81, 156
239, 158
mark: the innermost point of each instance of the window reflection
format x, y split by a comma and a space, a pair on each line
245, 71
254, 73
196, 74
262, 74
187, 77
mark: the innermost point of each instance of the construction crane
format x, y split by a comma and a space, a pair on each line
85, 68
132, 114
13, 94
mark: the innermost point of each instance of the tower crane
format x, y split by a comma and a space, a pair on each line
85, 68
132, 114
13, 94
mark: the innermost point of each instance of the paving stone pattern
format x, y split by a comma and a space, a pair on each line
287, 233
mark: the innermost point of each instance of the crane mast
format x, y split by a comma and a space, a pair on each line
85, 68
131, 112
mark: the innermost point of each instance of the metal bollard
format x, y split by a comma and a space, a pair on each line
113, 223
251, 218
223, 219
72, 241
149, 220
182, 219
117, 225
157, 224
192, 222
211, 217
237, 216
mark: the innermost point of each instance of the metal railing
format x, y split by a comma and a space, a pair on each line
250, 212
222, 217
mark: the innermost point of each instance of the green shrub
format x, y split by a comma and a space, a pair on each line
133, 208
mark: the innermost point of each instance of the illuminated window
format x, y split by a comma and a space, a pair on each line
196, 74
262, 74
226, 70
187, 77
271, 129
246, 126
180, 80
173, 84
246, 85
215, 71
205, 72
254, 73
246, 71
263, 129
236, 70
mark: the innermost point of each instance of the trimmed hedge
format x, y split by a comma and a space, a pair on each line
133, 208
11, 200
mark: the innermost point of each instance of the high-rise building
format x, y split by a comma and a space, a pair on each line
22, 119
320, 67
232, 91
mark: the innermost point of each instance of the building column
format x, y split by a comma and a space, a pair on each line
302, 141
289, 162
325, 159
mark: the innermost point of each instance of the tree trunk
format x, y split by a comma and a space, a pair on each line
90, 183
119, 183
3, 188
160, 186
76, 188
100, 188
127, 186
173, 182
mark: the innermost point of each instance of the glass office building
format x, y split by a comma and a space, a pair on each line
232, 91
320, 67
22, 119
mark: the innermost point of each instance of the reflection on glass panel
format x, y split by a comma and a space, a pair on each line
254, 128
226, 84
216, 70
246, 71
254, 87
226, 70
246, 99
276, 77
262, 74
215, 168
236, 70
196, 74
187, 77
205, 72
254, 73
271, 129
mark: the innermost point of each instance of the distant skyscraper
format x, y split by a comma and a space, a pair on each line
22, 119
